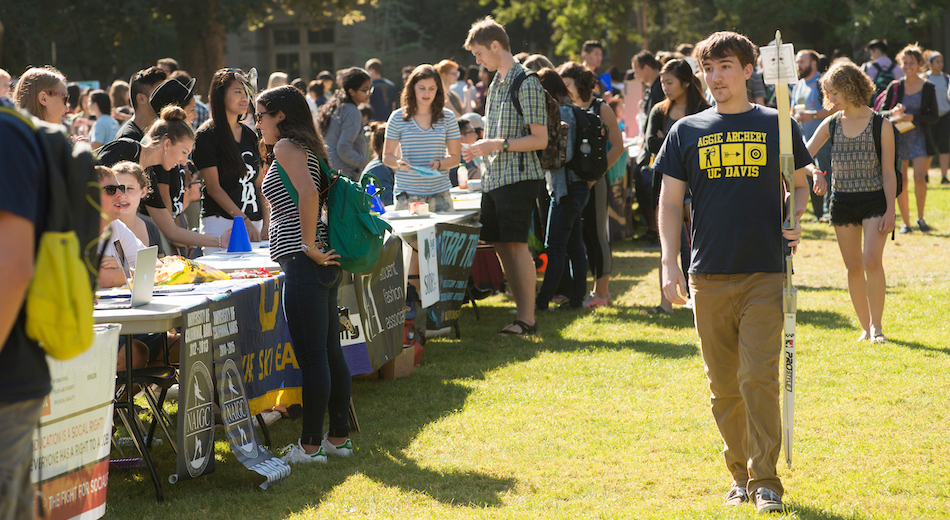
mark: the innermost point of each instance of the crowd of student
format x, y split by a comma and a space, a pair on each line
259, 157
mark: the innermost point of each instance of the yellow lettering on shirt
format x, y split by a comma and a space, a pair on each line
732, 154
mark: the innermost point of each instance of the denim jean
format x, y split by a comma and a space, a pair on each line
565, 240
310, 307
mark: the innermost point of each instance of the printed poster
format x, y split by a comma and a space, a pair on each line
71, 447
380, 297
196, 395
456, 252
428, 266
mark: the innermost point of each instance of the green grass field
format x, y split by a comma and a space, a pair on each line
606, 414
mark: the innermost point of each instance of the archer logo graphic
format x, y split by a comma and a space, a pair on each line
709, 157
199, 419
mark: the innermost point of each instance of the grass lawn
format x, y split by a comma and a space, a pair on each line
606, 414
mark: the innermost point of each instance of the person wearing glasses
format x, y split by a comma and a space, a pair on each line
42, 93
111, 273
299, 243
168, 143
226, 155
449, 72
341, 123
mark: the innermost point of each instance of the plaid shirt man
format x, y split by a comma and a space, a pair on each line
503, 122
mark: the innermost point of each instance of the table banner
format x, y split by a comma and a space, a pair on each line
380, 295
195, 395
456, 245
70, 463
270, 371
235, 411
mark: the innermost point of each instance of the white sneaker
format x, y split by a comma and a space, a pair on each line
296, 455
343, 450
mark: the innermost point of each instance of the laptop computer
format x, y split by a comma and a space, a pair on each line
142, 282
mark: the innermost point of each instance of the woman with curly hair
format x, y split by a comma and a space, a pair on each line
299, 243
341, 123
862, 189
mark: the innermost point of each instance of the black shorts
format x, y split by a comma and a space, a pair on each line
941, 132
851, 209
506, 211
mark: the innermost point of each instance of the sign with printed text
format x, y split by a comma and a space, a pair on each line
428, 266
778, 63
456, 252
196, 394
71, 446
235, 411
380, 297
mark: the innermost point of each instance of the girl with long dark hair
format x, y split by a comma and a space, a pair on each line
226, 154
580, 82
341, 123
299, 243
683, 97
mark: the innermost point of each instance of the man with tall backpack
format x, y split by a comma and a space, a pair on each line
512, 177
881, 69
24, 375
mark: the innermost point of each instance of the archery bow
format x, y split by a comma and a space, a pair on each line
790, 293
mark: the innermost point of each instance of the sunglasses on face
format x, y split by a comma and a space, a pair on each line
60, 94
259, 115
111, 189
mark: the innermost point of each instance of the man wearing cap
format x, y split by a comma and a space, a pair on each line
172, 92
141, 86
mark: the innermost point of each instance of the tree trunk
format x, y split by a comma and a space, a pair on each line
201, 38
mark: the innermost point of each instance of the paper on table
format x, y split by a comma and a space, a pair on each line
428, 172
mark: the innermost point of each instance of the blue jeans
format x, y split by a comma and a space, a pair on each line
565, 240
309, 298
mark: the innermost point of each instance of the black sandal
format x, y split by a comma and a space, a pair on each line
526, 330
656, 310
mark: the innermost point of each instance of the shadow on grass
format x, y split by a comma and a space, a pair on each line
817, 232
919, 346
805, 512
826, 319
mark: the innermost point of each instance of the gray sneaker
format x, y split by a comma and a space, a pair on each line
737, 495
923, 225
905, 229
768, 501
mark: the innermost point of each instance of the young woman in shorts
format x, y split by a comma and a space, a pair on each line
863, 189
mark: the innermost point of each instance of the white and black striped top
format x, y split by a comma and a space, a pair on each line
284, 230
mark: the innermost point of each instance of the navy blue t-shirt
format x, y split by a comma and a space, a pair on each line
24, 374
382, 99
730, 163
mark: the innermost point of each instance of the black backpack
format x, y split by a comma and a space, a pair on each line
554, 155
876, 126
590, 149
883, 78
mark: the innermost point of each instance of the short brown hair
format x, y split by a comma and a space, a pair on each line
912, 50
723, 44
845, 77
378, 132
485, 31
32, 82
374, 65
584, 80
133, 169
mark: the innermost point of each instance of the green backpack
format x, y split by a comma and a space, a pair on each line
355, 233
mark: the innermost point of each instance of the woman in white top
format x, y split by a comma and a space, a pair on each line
423, 136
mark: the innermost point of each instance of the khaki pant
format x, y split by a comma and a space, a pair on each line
739, 320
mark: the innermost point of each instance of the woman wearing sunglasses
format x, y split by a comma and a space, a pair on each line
299, 243
167, 144
226, 155
42, 93
341, 123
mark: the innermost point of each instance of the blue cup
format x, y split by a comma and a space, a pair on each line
239, 243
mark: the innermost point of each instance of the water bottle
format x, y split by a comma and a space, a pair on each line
585, 147
376, 205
